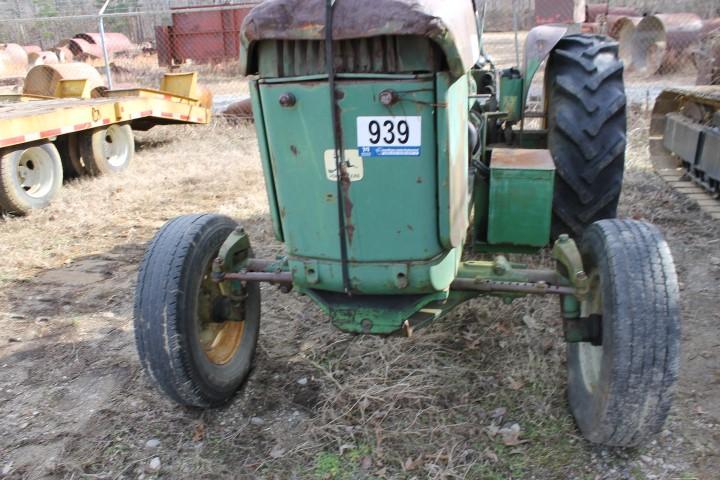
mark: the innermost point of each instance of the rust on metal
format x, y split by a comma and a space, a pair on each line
42, 58
268, 277
595, 12
661, 41
451, 25
524, 159
691, 102
13, 59
43, 79
622, 29
559, 11
201, 36
490, 286
240, 109
32, 48
707, 56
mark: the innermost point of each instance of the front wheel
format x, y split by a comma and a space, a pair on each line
196, 344
620, 390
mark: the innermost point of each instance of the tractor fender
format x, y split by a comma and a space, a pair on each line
538, 45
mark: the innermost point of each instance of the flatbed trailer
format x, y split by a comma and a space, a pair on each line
45, 139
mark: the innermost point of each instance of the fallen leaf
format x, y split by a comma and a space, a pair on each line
366, 462
277, 451
515, 384
530, 322
199, 433
346, 446
411, 464
498, 412
511, 435
490, 455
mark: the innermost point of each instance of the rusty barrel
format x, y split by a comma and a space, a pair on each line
595, 10
660, 41
622, 29
13, 60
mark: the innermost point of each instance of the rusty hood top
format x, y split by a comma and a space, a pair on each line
451, 24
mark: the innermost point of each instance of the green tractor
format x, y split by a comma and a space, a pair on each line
384, 165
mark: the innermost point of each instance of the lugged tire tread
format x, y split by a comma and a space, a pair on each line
587, 131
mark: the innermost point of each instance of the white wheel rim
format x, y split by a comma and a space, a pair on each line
35, 173
590, 356
116, 146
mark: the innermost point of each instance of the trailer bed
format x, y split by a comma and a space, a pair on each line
26, 119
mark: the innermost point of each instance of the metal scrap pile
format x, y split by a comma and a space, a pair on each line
659, 44
15, 59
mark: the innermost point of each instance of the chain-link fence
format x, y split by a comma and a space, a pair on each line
662, 42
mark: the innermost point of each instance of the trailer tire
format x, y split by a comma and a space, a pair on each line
30, 177
586, 125
176, 306
107, 150
73, 166
620, 392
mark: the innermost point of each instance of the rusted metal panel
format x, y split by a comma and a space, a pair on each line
162, 43
596, 10
559, 11
451, 25
203, 36
707, 59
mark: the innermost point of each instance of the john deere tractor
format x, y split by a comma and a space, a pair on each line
391, 146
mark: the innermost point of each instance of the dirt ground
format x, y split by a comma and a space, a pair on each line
320, 404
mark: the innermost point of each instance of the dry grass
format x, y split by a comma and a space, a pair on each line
320, 403
426, 407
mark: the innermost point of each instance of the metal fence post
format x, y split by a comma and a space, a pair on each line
104, 46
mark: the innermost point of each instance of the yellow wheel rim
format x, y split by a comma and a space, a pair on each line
221, 324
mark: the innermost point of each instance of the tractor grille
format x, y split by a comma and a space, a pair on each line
375, 55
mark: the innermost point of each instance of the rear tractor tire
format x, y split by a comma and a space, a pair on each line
620, 385
586, 125
195, 344
30, 177
107, 150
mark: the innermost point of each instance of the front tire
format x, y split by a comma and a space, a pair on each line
195, 344
586, 131
620, 392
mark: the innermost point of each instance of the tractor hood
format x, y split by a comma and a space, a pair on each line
450, 24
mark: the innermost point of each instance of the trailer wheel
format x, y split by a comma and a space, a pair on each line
196, 345
107, 150
30, 177
73, 166
586, 131
621, 390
